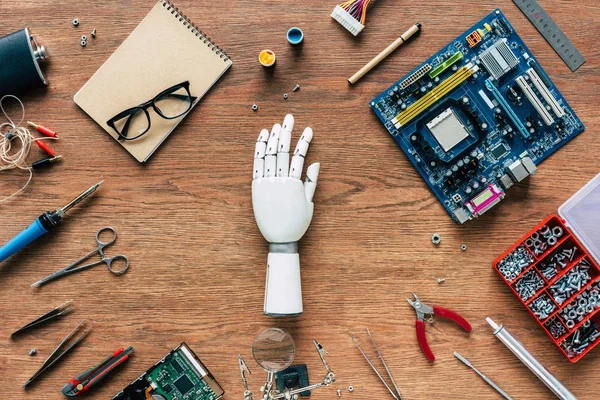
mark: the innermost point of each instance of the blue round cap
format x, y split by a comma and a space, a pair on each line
295, 35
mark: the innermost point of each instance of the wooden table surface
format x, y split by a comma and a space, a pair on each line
185, 219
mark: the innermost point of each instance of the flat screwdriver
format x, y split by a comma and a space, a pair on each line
485, 378
42, 225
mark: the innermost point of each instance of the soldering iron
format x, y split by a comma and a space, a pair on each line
42, 225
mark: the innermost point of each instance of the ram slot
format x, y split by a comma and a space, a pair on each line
506, 107
535, 78
435, 95
533, 99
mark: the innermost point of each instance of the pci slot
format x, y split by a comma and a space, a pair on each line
506, 107
537, 82
418, 74
446, 64
533, 99
435, 95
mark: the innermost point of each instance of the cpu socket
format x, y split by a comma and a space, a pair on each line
447, 129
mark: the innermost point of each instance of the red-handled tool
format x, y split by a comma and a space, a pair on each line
423, 310
91, 377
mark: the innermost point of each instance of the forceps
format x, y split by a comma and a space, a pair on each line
100, 250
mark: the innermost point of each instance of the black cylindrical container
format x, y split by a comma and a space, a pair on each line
20, 57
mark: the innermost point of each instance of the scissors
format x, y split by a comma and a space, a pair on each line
100, 250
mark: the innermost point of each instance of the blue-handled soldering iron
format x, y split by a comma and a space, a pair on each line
42, 225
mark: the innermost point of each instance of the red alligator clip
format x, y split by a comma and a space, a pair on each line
422, 310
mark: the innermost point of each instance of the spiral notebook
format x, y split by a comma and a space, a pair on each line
165, 49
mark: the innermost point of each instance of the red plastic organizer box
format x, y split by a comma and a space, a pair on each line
554, 271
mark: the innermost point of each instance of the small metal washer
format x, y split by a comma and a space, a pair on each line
436, 238
351, 388
557, 231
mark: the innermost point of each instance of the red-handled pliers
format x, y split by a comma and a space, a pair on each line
423, 310
91, 377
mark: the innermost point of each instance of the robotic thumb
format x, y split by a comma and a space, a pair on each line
310, 184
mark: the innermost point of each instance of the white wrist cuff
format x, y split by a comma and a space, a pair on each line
283, 291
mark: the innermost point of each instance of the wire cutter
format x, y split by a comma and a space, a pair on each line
91, 377
424, 310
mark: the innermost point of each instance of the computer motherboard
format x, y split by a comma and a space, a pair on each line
180, 375
477, 117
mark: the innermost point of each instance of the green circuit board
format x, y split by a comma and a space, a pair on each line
180, 375
179, 378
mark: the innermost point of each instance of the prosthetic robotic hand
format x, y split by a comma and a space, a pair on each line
283, 209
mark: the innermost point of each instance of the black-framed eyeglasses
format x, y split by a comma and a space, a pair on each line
169, 104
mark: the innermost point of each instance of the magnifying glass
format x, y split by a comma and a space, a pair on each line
274, 350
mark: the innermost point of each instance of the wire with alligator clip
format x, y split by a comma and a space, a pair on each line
9, 157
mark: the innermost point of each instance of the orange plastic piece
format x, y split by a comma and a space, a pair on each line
473, 39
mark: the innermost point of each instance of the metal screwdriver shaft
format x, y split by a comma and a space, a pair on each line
485, 378
42, 225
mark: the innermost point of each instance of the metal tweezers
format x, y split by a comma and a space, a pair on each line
58, 311
57, 354
396, 395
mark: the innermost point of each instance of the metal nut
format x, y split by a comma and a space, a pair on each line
285, 96
75, 22
83, 38
83, 43
254, 107
463, 247
351, 388
436, 238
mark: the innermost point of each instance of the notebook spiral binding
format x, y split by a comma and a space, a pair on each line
194, 29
